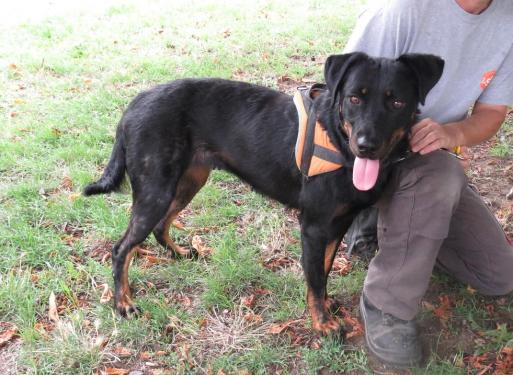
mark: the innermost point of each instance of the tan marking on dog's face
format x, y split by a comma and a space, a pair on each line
364, 91
348, 129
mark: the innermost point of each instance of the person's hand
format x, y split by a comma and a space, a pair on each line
428, 135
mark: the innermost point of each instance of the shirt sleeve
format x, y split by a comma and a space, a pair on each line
384, 30
500, 89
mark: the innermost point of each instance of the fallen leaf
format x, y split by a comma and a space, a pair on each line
352, 325
504, 363
199, 245
53, 313
106, 294
150, 260
442, 311
471, 290
249, 301
428, 306
66, 183
44, 327
100, 342
280, 327
262, 292
253, 318
476, 361
315, 345
116, 371
278, 262
7, 332
144, 356
341, 266
73, 197
122, 352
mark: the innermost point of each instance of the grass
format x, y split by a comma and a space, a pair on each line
65, 81
503, 144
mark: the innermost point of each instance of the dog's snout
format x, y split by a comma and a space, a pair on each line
365, 145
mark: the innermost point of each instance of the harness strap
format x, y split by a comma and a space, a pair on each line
328, 155
314, 151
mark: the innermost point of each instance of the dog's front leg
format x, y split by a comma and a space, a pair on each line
318, 251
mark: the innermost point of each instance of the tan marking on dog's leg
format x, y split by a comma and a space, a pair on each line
322, 322
329, 256
190, 183
124, 302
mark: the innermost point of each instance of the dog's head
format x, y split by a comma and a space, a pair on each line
377, 100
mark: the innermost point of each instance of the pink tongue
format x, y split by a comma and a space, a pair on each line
365, 173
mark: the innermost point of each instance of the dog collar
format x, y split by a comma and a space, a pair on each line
314, 151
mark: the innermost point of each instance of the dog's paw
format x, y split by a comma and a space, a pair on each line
127, 309
330, 328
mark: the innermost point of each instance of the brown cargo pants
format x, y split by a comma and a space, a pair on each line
428, 214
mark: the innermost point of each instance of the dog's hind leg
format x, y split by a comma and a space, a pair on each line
151, 199
190, 183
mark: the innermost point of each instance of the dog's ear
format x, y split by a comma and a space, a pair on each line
427, 68
336, 67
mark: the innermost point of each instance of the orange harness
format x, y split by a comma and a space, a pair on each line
315, 153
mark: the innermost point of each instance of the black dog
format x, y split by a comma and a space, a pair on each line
172, 136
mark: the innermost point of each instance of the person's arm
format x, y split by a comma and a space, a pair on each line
484, 122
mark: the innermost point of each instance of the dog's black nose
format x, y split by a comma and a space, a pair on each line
365, 146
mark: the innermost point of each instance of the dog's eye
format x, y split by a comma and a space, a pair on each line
398, 104
354, 100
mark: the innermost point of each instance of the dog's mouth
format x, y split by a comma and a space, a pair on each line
365, 167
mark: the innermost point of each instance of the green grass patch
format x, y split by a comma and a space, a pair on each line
65, 80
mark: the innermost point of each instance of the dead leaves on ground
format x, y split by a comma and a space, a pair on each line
8, 331
116, 371
443, 310
106, 293
53, 313
491, 363
352, 325
278, 262
201, 247
298, 333
341, 265
148, 257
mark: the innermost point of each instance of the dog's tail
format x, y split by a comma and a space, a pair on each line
114, 172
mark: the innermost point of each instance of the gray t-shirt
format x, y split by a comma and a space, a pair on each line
477, 49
